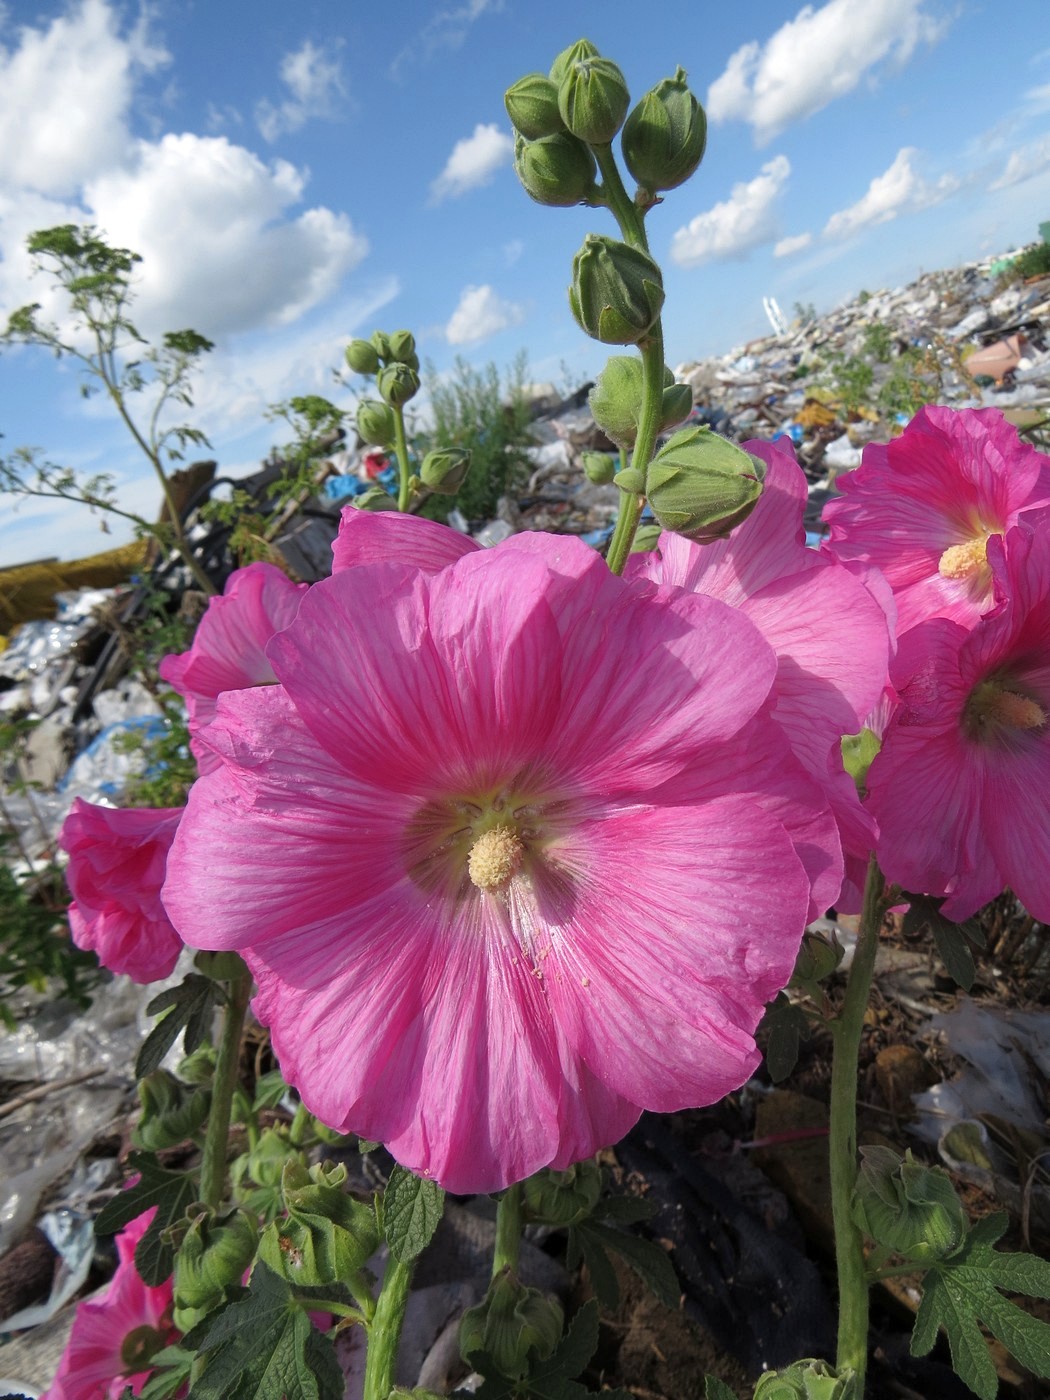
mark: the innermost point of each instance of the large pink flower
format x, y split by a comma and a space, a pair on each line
924, 506
503, 852
116, 1333
116, 868
826, 621
229, 646
959, 787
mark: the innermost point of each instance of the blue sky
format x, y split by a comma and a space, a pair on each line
295, 175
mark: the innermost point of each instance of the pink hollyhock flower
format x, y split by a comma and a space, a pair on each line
826, 621
116, 868
959, 787
496, 853
924, 506
116, 1333
229, 647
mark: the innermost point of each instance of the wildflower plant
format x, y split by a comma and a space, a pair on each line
515, 843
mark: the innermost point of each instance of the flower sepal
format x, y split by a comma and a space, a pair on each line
566, 1197
212, 1257
171, 1111
617, 291
907, 1207
513, 1325
702, 486
665, 135
807, 1380
327, 1236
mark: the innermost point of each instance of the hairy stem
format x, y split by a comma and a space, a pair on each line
384, 1334
404, 471
508, 1231
216, 1141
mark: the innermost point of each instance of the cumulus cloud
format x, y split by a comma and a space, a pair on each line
473, 162
314, 80
1023, 164
819, 55
736, 225
786, 246
64, 93
897, 190
481, 313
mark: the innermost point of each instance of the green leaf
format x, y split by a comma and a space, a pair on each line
171, 1371
170, 1192
952, 940
647, 1259
263, 1346
961, 1291
270, 1089
599, 1266
714, 1389
786, 1025
191, 1004
412, 1208
625, 1210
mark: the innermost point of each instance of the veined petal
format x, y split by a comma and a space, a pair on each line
381, 537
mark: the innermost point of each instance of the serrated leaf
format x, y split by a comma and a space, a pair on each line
955, 953
1021, 1273
952, 940
599, 1266
412, 1208
647, 1259
172, 1368
170, 1192
190, 1007
263, 1346
714, 1389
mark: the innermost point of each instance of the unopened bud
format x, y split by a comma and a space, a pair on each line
702, 486
563, 1198
617, 291
361, 356
381, 344
583, 48
327, 1235
677, 406
212, 1257
593, 99
807, 1380
599, 467
665, 135
375, 423
171, 1112
858, 754
403, 348
513, 1325
532, 105
818, 957
907, 1207
646, 538
397, 383
556, 170
444, 470
375, 498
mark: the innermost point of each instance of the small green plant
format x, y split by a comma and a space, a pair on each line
1033, 261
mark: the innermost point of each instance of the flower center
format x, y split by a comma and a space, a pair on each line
494, 857
139, 1348
995, 703
963, 561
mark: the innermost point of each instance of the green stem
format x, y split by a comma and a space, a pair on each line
403, 469
508, 1231
299, 1124
385, 1332
648, 430
622, 206
849, 1242
216, 1141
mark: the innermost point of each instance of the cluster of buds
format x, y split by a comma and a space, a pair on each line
394, 364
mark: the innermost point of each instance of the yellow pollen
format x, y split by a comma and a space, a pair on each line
494, 857
961, 561
1016, 711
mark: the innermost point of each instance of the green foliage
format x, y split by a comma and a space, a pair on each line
963, 1290
714, 1389
473, 409
850, 379
553, 1379
170, 1192
878, 341
190, 1007
785, 1025
412, 1208
953, 940
592, 1240
1033, 261
264, 1345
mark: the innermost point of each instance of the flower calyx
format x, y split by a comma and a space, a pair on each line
908, 1207
514, 1325
617, 291
702, 486
665, 135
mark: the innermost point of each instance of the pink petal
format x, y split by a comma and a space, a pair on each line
381, 537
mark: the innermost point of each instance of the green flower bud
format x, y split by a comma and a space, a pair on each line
375, 498
220, 967
532, 105
818, 957
909, 1208
375, 423
381, 345
268, 1158
598, 467
445, 469
806, 1380
171, 1113
616, 291
403, 348
327, 1236
702, 486
858, 753
555, 170
198, 1068
140, 1346
563, 1198
664, 137
397, 383
361, 357
646, 538
211, 1258
583, 48
513, 1324
677, 406
593, 99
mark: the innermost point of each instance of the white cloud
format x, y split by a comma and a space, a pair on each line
786, 246
64, 93
742, 222
895, 191
481, 313
512, 251
819, 55
473, 162
446, 29
315, 80
1023, 164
